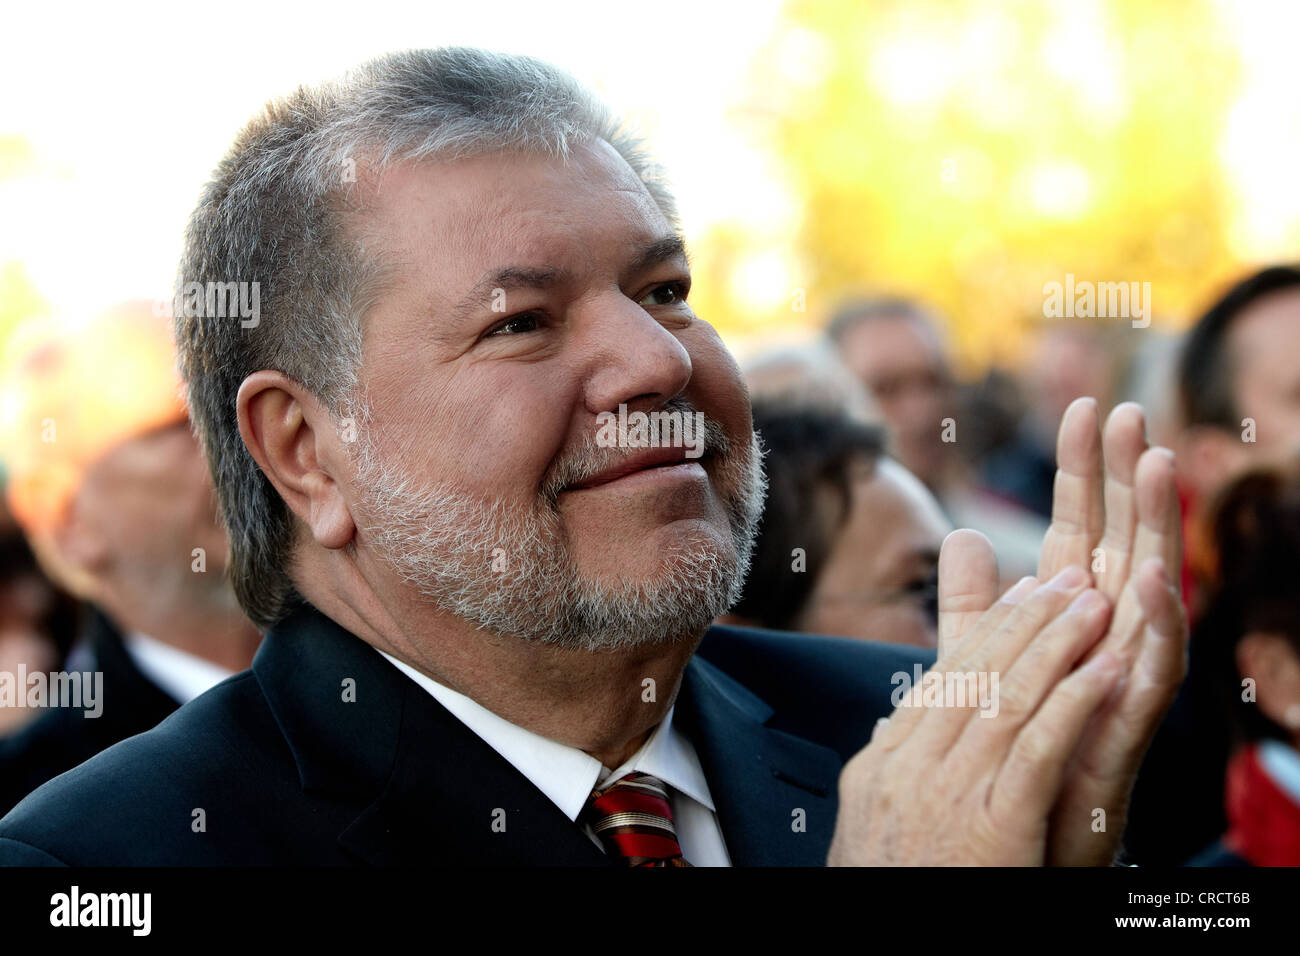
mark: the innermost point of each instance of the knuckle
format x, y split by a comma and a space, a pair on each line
1032, 749
1013, 701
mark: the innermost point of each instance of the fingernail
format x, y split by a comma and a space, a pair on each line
1071, 577
1087, 602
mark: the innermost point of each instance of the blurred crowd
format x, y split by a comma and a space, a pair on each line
112, 553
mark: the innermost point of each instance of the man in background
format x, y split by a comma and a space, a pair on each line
110, 486
38, 620
895, 349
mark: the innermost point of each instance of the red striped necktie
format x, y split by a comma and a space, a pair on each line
634, 822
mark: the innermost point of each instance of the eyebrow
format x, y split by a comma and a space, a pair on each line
661, 250
523, 277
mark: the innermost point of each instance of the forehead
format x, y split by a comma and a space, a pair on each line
512, 207
1270, 329
888, 342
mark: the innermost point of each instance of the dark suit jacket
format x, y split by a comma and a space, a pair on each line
60, 738
275, 767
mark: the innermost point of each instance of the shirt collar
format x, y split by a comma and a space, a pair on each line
567, 775
178, 673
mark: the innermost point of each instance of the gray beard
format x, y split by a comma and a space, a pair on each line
508, 570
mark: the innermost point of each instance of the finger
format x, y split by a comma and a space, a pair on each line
1151, 682
892, 731
1007, 642
942, 723
968, 585
1123, 442
1158, 535
1018, 692
1029, 780
1163, 660
1159, 530
1078, 508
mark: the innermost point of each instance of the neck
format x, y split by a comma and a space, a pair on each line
605, 703
214, 631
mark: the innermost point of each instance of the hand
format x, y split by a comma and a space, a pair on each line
1114, 511
948, 785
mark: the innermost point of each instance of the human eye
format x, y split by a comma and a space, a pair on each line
517, 324
666, 293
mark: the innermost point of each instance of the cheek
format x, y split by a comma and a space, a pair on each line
716, 381
493, 429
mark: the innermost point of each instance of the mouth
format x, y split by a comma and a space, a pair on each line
652, 465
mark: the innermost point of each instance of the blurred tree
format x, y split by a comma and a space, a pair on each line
970, 152
19, 298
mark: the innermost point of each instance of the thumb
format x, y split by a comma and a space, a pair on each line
968, 585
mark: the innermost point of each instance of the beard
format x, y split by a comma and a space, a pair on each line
507, 568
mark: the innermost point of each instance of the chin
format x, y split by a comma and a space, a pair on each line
651, 555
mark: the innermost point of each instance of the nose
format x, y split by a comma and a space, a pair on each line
634, 358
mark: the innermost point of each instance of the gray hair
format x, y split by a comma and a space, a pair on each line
809, 376
272, 219
858, 311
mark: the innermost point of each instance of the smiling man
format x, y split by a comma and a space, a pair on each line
489, 635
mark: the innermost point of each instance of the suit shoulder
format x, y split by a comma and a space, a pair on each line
150, 783
828, 689
17, 853
49, 745
811, 660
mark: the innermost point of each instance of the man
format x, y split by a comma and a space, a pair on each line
484, 609
894, 347
1069, 358
109, 484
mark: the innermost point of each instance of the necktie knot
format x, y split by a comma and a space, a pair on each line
634, 822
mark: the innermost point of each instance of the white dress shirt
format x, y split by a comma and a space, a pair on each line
182, 675
567, 775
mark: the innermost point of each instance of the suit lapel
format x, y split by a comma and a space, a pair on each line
432, 792
775, 793
452, 799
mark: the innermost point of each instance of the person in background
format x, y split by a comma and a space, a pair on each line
810, 375
1239, 393
38, 620
1070, 359
894, 348
1248, 640
1238, 390
849, 540
111, 489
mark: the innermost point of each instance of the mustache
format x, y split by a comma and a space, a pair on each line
588, 459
